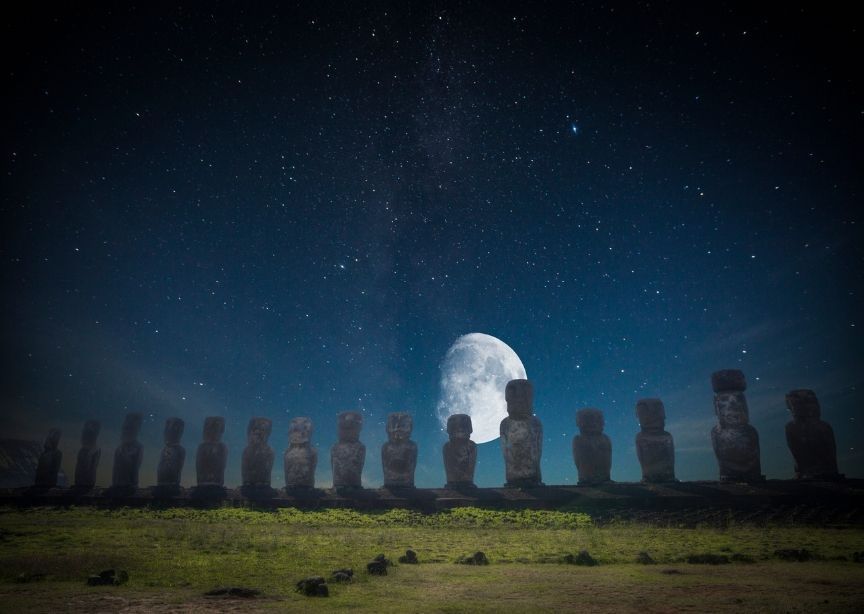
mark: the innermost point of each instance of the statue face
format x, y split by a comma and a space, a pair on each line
519, 394
131, 426
731, 409
300, 431
173, 431
651, 414
803, 405
53, 439
399, 426
89, 433
350, 424
590, 421
258, 431
459, 426
214, 426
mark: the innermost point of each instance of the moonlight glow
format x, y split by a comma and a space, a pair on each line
474, 372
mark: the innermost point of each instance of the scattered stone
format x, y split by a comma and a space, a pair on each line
29, 576
478, 558
346, 574
109, 577
521, 436
313, 586
794, 554
410, 558
583, 558
643, 558
399, 453
376, 568
233, 591
708, 559
737, 557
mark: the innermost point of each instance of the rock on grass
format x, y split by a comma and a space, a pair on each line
583, 558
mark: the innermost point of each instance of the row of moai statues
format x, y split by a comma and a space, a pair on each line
735, 443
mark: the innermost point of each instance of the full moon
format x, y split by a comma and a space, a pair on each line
474, 372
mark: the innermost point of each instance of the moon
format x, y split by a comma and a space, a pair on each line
474, 372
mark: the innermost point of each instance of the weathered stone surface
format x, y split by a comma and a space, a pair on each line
378, 566
348, 456
212, 455
735, 441
49, 461
583, 558
478, 558
409, 558
257, 457
300, 458
128, 455
88, 456
521, 436
460, 453
592, 449
344, 575
654, 446
810, 439
173, 455
314, 586
399, 454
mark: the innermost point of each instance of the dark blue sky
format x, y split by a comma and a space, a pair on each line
290, 211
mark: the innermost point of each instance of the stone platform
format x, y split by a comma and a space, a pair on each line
674, 502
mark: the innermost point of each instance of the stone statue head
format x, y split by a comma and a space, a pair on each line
214, 426
803, 405
651, 414
590, 421
131, 427
728, 380
90, 433
731, 409
350, 423
52, 440
459, 426
399, 426
299, 431
258, 431
519, 394
173, 431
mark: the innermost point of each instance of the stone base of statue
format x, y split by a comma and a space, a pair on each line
208, 491
524, 483
594, 482
461, 486
661, 479
258, 492
166, 491
742, 478
821, 477
119, 492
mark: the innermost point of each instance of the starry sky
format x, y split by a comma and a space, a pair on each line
295, 210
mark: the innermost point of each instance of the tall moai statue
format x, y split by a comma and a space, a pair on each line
654, 446
88, 456
257, 459
348, 455
399, 453
460, 453
521, 436
211, 458
592, 448
128, 455
810, 439
49, 461
172, 458
735, 441
301, 457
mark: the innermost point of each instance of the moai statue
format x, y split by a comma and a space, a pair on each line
399, 454
300, 457
592, 449
735, 441
172, 458
521, 436
654, 446
349, 454
460, 453
88, 456
257, 458
127, 457
49, 461
211, 458
810, 439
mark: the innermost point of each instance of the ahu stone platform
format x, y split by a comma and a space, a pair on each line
840, 502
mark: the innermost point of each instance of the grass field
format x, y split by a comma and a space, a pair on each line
174, 556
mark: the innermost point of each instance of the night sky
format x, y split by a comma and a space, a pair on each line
295, 211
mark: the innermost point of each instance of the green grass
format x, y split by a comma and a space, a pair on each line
173, 556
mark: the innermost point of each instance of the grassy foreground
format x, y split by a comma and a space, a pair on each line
174, 556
